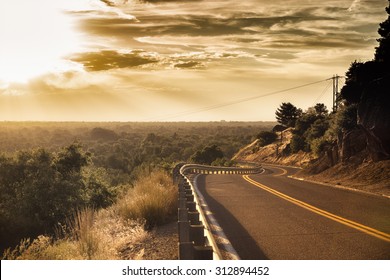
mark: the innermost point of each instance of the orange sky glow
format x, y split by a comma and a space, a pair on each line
167, 60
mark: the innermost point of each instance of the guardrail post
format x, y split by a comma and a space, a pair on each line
203, 252
194, 233
193, 217
186, 251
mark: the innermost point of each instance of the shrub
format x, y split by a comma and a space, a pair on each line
297, 143
318, 146
266, 137
82, 229
207, 155
152, 200
347, 117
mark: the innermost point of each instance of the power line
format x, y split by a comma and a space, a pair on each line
229, 103
322, 93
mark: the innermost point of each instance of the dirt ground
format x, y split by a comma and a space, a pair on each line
372, 177
160, 244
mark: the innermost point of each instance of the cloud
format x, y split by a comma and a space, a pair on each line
189, 64
110, 59
162, 1
354, 5
108, 3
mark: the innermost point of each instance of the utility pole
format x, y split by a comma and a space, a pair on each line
336, 100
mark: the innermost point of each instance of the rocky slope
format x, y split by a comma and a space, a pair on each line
346, 164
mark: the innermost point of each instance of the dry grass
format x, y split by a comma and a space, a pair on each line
91, 236
152, 200
104, 234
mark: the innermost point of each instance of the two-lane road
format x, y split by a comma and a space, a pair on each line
271, 216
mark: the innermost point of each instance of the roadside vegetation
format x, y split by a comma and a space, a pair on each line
361, 115
52, 173
95, 234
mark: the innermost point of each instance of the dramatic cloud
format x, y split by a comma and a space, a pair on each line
162, 1
164, 57
108, 59
108, 3
189, 64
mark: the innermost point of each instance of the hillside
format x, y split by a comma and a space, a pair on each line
357, 173
274, 153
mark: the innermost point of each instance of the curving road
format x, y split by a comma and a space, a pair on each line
271, 216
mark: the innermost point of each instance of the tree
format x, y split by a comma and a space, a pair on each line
361, 75
382, 53
266, 137
347, 117
287, 114
297, 143
207, 155
321, 110
358, 77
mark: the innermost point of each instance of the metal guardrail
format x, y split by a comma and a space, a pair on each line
196, 240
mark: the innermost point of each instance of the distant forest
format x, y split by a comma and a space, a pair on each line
49, 170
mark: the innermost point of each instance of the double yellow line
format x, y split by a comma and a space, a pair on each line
373, 232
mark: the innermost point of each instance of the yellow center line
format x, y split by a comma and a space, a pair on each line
373, 232
284, 171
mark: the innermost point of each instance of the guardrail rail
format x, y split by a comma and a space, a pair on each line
196, 240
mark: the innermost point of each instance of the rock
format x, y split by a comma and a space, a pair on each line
374, 118
352, 143
279, 128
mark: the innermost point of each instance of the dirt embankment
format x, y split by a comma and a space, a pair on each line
274, 153
372, 177
364, 175
160, 244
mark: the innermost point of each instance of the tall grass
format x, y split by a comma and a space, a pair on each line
82, 227
91, 234
152, 200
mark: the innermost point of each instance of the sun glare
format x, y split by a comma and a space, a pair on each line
34, 35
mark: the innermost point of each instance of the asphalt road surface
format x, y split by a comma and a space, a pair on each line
271, 216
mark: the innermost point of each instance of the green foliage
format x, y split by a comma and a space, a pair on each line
347, 117
321, 110
304, 123
311, 125
359, 76
319, 145
38, 189
207, 155
41, 187
152, 200
382, 53
287, 114
316, 130
100, 133
297, 143
222, 162
266, 137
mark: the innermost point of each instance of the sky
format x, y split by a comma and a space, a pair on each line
171, 60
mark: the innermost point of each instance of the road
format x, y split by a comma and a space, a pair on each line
271, 216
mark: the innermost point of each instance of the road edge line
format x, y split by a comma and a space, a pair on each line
216, 229
341, 187
352, 224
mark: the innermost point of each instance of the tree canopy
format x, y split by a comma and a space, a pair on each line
207, 155
382, 53
287, 114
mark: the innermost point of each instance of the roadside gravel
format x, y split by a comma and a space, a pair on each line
159, 244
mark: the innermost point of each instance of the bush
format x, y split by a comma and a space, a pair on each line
297, 143
347, 117
39, 189
266, 137
207, 155
152, 200
318, 146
